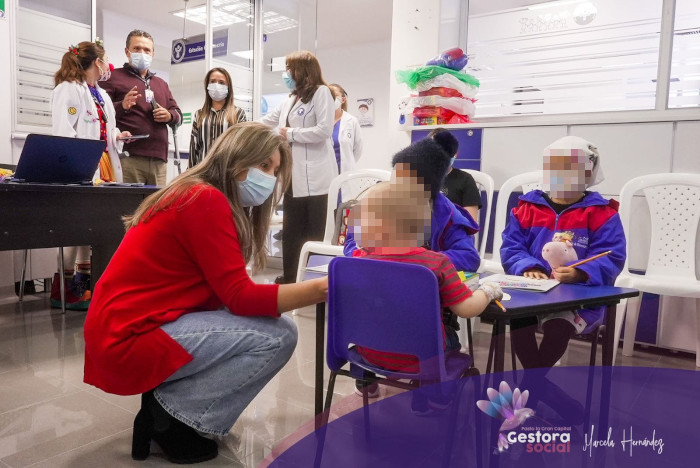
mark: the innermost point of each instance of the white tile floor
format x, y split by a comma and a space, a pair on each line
50, 418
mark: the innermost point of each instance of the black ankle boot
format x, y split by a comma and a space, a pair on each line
180, 443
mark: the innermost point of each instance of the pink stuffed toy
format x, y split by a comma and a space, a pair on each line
559, 253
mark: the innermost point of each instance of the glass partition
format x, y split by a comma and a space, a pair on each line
564, 56
39, 55
684, 86
232, 48
288, 25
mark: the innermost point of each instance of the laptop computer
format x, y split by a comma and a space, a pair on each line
62, 160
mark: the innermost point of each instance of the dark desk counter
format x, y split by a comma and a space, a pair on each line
42, 215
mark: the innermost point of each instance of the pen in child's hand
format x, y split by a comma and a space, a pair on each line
498, 303
591, 258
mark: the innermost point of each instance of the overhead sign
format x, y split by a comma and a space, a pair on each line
193, 48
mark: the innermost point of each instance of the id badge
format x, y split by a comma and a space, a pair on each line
149, 95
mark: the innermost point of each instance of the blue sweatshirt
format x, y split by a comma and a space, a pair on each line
592, 222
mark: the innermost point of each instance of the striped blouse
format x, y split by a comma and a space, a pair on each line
213, 125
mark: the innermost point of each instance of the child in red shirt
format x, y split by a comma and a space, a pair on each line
394, 219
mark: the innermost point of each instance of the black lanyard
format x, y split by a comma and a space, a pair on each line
146, 81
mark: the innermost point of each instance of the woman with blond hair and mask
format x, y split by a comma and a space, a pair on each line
185, 326
216, 115
305, 120
81, 109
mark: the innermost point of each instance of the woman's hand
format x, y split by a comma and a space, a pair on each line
129, 100
568, 274
283, 132
297, 295
535, 274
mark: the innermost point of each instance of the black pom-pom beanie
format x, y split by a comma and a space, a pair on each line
429, 160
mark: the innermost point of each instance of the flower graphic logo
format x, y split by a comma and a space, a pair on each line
508, 406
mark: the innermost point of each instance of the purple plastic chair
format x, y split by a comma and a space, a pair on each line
393, 307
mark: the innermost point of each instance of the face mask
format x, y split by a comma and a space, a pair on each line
338, 103
217, 91
452, 160
256, 188
565, 177
104, 75
289, 81
140, 61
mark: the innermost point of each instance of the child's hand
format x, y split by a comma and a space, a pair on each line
569, 275
535, 274
492, 290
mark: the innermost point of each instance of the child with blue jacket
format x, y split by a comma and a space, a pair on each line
451, 227
563, 211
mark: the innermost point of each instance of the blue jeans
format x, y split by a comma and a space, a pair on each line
234, 357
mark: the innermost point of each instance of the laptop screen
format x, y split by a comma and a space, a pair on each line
54, 159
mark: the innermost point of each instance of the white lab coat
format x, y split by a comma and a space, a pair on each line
74, 114
309, 134
350, 140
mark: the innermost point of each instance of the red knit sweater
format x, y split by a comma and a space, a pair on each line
182, 260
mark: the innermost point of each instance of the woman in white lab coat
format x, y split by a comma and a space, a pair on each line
80, 109
305, 120
347, 137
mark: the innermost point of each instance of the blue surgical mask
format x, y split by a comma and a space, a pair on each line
256, 188
289, 81
452, 160
140, 61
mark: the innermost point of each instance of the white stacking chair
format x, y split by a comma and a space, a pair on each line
526, 182
352, 183
674, 206
485, 183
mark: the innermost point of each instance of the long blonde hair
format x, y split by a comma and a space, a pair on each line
240, 148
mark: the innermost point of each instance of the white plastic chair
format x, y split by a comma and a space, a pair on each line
485, 184
352, 183
526, 182
674, 206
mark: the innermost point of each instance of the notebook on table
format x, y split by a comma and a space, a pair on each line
520, 282
62, 160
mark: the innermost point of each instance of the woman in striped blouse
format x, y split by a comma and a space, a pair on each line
216, 115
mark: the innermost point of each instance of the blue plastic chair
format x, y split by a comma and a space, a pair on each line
387, 306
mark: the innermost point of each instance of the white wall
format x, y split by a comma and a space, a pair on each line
627, 150
415, 32
363, 71
7, 58
6, 272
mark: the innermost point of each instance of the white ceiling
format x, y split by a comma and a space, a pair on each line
339, 22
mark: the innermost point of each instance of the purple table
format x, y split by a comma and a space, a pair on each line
558, 299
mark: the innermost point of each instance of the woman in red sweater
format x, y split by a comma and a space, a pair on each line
176, 318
